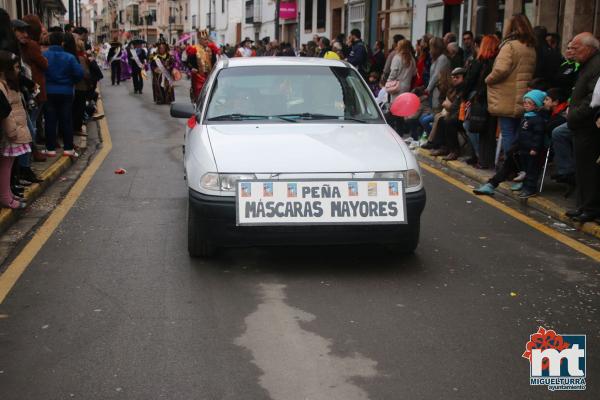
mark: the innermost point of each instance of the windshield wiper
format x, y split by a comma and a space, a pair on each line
240, 117
311, 116
362, 121
237, 117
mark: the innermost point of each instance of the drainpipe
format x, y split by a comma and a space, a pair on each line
277, 4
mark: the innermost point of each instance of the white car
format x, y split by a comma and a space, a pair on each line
295, 151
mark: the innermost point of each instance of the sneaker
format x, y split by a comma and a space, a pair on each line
520, 176
413, 145
70, 153
517, 187
525, 194
487, 189
49, 153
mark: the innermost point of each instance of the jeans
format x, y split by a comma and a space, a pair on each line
78, 109
58, 113
426, 121
508, 128
562, 142
473, 138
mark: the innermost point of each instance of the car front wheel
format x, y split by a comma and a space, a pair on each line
198, 243
408, 244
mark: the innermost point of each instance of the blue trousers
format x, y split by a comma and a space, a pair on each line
562, 143
59, 114
508, 128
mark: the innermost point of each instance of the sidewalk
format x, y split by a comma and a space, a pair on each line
49, 170
551, 201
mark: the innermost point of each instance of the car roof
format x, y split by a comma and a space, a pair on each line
279, 61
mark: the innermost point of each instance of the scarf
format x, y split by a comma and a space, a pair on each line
559, 108
166, 76
117, 56
136, 58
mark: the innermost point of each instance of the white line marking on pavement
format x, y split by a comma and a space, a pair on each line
298, 364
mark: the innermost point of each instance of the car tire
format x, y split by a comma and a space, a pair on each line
198, 243
409, 243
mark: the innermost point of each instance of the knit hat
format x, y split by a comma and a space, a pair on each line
537, 96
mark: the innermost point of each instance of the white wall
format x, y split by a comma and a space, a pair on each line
419, 19
307, 36
267, 26
194, 10
226, 22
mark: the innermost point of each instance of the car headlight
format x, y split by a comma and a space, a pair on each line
412, 177
222, 182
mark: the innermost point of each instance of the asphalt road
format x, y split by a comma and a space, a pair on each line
112, 307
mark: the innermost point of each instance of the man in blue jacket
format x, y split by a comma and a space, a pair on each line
358, 54
62, 74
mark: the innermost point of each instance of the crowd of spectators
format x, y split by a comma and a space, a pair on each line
507, 101
48, 79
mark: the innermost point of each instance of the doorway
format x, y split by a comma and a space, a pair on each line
336, 22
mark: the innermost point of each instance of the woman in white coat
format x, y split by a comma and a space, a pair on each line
403, 70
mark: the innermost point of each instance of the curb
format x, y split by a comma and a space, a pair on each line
538, 203
50, 175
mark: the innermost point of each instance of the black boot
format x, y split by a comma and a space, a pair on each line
27, 174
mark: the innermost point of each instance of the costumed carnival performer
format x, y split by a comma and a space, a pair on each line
137, 60
200, 60
125, 67
162, 75
114, 59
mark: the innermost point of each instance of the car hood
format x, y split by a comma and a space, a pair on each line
306, 147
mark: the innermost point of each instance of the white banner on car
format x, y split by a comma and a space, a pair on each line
320, 202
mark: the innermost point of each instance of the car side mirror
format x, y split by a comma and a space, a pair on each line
182, 110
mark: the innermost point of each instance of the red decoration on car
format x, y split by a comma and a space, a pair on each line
191, 122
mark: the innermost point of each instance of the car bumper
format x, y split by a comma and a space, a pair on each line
217, 216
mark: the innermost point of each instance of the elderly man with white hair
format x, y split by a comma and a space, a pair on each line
454, 55
586, 134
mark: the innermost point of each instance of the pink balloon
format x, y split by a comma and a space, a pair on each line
405, 105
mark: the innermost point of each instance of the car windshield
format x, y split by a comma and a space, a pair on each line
291, 94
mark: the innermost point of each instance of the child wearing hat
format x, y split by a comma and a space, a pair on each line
531, 137
524, 155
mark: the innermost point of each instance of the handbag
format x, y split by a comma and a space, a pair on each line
392, 87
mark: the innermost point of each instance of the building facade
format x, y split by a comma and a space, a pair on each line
298, 21
51, 12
